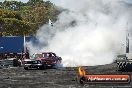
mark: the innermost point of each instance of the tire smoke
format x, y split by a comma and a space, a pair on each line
89, 32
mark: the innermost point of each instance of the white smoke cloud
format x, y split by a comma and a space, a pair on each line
90, 32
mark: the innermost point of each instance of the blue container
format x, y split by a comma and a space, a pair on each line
12, 44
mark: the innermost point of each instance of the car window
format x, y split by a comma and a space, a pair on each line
34, 56
45, 55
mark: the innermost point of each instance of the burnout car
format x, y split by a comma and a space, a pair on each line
42, 61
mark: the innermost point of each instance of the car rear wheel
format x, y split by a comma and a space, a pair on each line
57, 65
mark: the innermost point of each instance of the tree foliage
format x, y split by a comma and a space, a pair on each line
34, 2
10, 14
25, 17
12, 26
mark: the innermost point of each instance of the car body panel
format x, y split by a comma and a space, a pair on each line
44, 59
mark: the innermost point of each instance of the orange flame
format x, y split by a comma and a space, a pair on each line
81, 71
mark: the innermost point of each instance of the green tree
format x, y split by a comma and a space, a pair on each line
26, 17
34, 2
10, 14
12, 26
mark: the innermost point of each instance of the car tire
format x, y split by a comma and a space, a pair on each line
57, 65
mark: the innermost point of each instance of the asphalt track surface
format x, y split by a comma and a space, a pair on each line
17, 77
